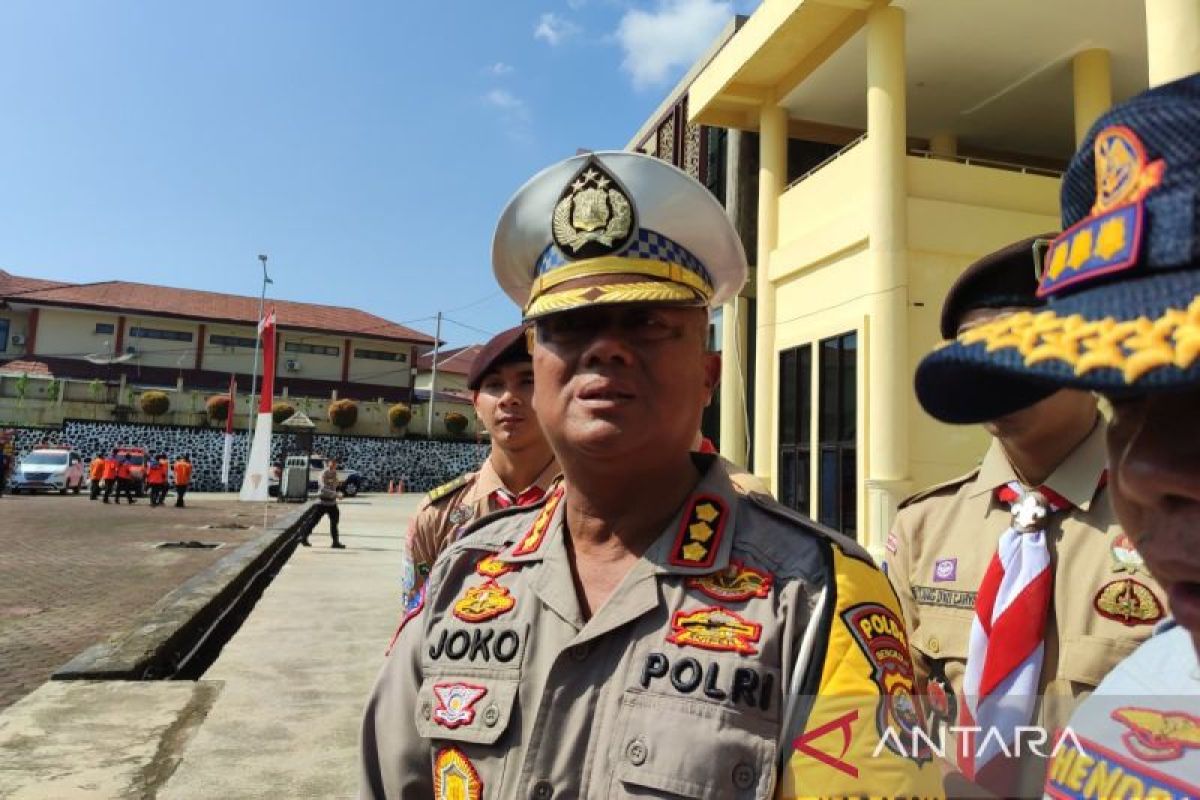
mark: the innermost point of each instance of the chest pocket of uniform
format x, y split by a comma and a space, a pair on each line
469, 710
1087, 659
942, 634
669, 747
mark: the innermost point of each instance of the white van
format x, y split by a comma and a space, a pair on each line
53, 469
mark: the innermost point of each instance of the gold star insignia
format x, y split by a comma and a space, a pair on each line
700, 531
695, 551
707, 512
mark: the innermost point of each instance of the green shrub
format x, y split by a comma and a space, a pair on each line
155, 403
399, 415
343, 413
281, 411
456, 423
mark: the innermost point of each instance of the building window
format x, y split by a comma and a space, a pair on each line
158, 333
232, 341
715, 141
315, 349
837, 470
104, 328
795, 427
380, 355
3, 334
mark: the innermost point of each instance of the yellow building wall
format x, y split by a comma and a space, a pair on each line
384, 373
446, 381
220, 358
71, 334
956, 214
168, 353
17, 323
313, 366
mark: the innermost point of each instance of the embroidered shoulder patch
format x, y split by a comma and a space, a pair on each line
1128, 602
700, 533
1081, 768
537, 532
412, 608
735, 583
454, 776
1125, 556
483, 602
1155, 735
455, 703
714, 628
493, 567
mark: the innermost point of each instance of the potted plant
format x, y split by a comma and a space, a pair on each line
154, 403
217, 408
399, 416
281, 411
456, 423
343, 413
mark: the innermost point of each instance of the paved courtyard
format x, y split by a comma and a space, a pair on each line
73, 571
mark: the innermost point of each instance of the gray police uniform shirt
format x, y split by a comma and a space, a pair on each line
498, 687
1138, 735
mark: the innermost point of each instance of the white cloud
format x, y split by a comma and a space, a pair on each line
499, 69
554, 29
512, 114
575, 5
674, 35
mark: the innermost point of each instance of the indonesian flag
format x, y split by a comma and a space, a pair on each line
266, 332
227, 453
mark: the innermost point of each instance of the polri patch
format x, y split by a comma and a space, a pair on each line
455, 703
736, 583
714, 628
455, 777
1155, 735
483, 602
700, 533
1128, 602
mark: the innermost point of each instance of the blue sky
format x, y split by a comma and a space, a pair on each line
366, 147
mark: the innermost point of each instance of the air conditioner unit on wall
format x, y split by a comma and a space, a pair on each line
292, 365
17, 339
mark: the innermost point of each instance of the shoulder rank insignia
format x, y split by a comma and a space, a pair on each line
1128, 602
455, 703
537, 532
714, 628
454, 776
446, 488
1158, 735
486, 601
493, 567
881, 636
735, 583
1125, 556
700, 533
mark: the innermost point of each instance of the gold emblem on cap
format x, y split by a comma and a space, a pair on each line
593, 211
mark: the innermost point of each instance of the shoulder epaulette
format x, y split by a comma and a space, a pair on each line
446, 488
930, 491
843, 542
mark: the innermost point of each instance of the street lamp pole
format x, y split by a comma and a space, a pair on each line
262, 299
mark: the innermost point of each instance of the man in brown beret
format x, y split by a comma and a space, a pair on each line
517, 472
1077, 624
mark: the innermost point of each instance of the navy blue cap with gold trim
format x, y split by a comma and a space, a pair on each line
615, 227
1122, 281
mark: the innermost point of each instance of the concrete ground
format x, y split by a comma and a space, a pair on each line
277, 715
72, 571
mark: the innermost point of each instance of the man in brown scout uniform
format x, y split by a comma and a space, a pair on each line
647, 630
518, 470
1122, 319
1090, 607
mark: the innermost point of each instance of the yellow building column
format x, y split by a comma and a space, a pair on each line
1172, 39
1092, 70
772, 178
887, 381
733, 370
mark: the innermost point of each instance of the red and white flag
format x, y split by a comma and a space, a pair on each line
227, 453
266, 332
254, 482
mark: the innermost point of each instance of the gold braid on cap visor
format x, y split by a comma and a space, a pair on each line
677, 284
1134, 347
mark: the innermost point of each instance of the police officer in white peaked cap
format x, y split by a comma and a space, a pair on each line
647, 629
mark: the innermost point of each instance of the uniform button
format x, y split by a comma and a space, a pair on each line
636, 752
934, 645
491, 715
743, 776
579, 652
426, 711
542, 790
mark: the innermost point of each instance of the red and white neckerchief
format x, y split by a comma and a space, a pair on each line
503, 498
1006, 649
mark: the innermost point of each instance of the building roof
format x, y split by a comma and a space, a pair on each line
457, 360
165, 301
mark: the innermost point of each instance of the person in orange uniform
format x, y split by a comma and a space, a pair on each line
125, 479
112, 465
156, 479
183, 477
96, 475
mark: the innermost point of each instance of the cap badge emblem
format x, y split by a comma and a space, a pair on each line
594, 216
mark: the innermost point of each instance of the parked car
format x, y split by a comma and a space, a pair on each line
50, 469
349, 481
